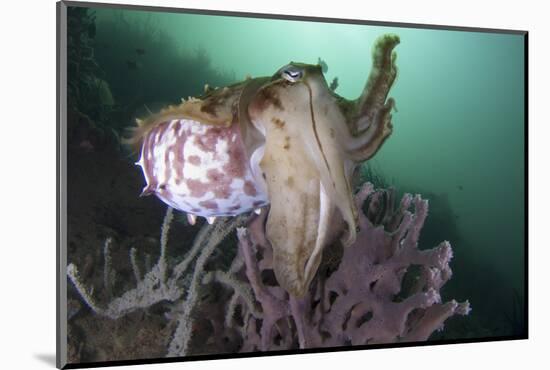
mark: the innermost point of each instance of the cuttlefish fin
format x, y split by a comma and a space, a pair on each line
216, 107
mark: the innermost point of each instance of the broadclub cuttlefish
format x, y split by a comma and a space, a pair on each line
287, 141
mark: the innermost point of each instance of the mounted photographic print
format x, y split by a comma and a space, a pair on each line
235, 184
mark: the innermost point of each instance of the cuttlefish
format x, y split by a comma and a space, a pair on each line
287, 141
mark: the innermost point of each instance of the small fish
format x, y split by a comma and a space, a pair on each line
323, 65
140, 51
460, 187
334, 84
86, 145
91, 30
132, 64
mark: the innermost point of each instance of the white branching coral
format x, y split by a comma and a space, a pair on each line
150, 289
179, 285
208, 240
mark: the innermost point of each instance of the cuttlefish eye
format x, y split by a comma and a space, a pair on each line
292, 73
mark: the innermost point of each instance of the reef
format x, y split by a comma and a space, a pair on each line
241, 285
380, 289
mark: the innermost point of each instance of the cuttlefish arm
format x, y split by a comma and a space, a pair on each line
369, 116
313, 141
300, 204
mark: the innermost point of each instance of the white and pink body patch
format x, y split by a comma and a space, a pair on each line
199, 169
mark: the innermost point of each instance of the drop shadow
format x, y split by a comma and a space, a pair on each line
47, 358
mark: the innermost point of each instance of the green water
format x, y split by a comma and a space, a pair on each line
458, 129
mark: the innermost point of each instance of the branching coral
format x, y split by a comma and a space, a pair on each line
363, 300
178, 284
380, 289
150, 289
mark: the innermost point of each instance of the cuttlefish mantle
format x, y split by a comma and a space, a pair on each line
287, 140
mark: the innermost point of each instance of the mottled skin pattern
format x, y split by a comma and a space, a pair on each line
199, 169
286, 140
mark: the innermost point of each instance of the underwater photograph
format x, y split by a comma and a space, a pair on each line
248, 184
